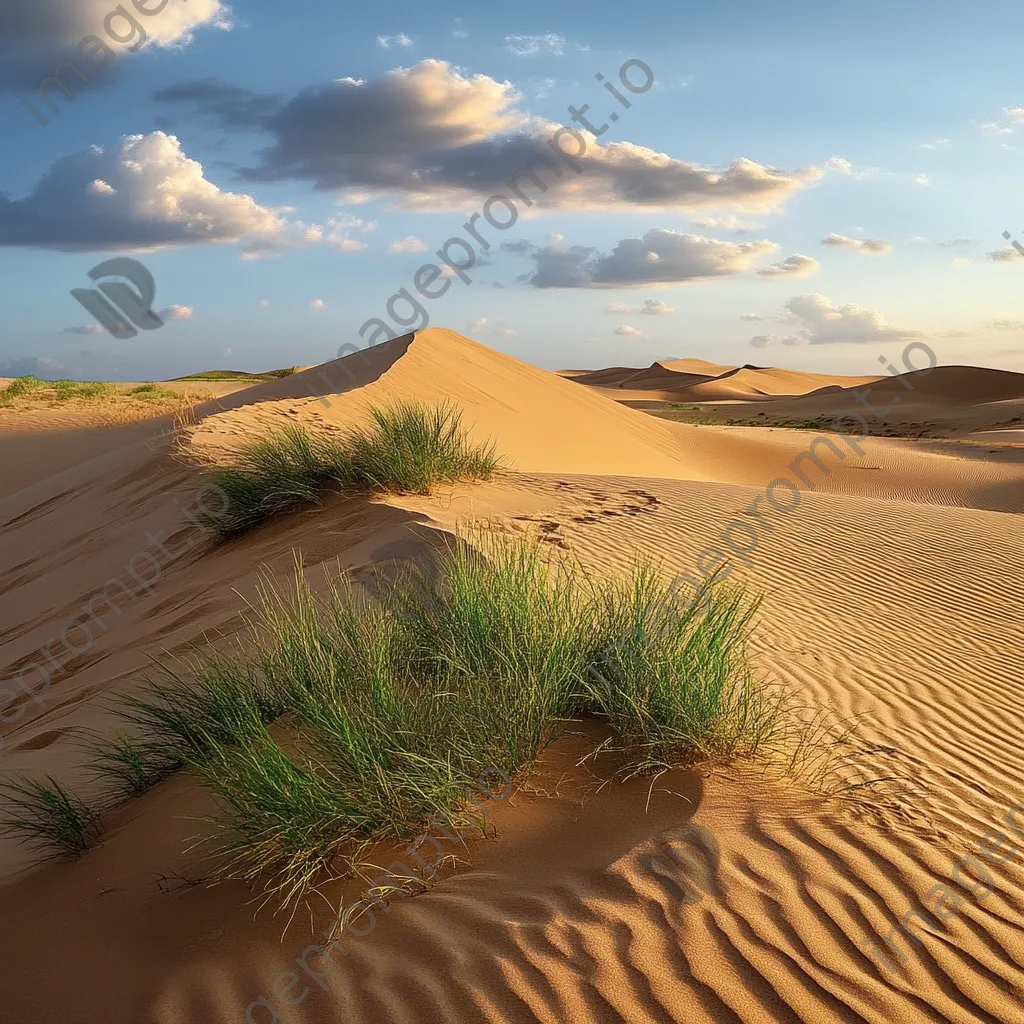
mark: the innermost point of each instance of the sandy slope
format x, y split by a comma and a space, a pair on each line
890, 592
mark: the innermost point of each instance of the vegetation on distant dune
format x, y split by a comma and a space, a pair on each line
56, 392
409, 448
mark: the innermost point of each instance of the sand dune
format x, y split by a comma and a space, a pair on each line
891, 592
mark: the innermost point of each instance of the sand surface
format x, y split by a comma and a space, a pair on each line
892, 592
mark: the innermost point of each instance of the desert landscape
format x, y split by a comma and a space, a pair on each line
511, 515
849, 849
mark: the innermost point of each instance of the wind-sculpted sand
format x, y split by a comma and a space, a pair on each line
892, 593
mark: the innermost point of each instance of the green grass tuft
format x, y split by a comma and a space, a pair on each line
133, 766
49, 816
279, 473
360, 719
409, 448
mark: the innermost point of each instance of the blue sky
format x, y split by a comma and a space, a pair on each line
263, 160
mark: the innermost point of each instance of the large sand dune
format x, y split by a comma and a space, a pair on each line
892, 592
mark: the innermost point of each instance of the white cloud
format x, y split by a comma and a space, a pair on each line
317, 304
156, 196
924, 180
823, 323
228, 352
459, 31
409, 244
176, 312
960, 261
1004, 256
872, 245
530, 46
1006, 325
796, 265
752, 317
655, 307
839, 164
1011, 120
936, 144
651, 307
400, 39
264, 302
339, 232
629, 332
478, 324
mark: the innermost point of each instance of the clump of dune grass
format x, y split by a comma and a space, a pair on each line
279, 473
49, 816
409, 448
674, 680
180, 720
356, 719
132, 766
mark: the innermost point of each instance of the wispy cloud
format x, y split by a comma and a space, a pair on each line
400, 39
879, 246
550, 43
797, 265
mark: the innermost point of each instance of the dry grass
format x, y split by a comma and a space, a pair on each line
112, 403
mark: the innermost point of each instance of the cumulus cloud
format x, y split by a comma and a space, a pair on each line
408, 244
317, 304
796, 265
156, 197
399, 39
36, 35
530, 46
873, 245
662, 256
435, 138
629, 332
176, 312
478, 324
820, 322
